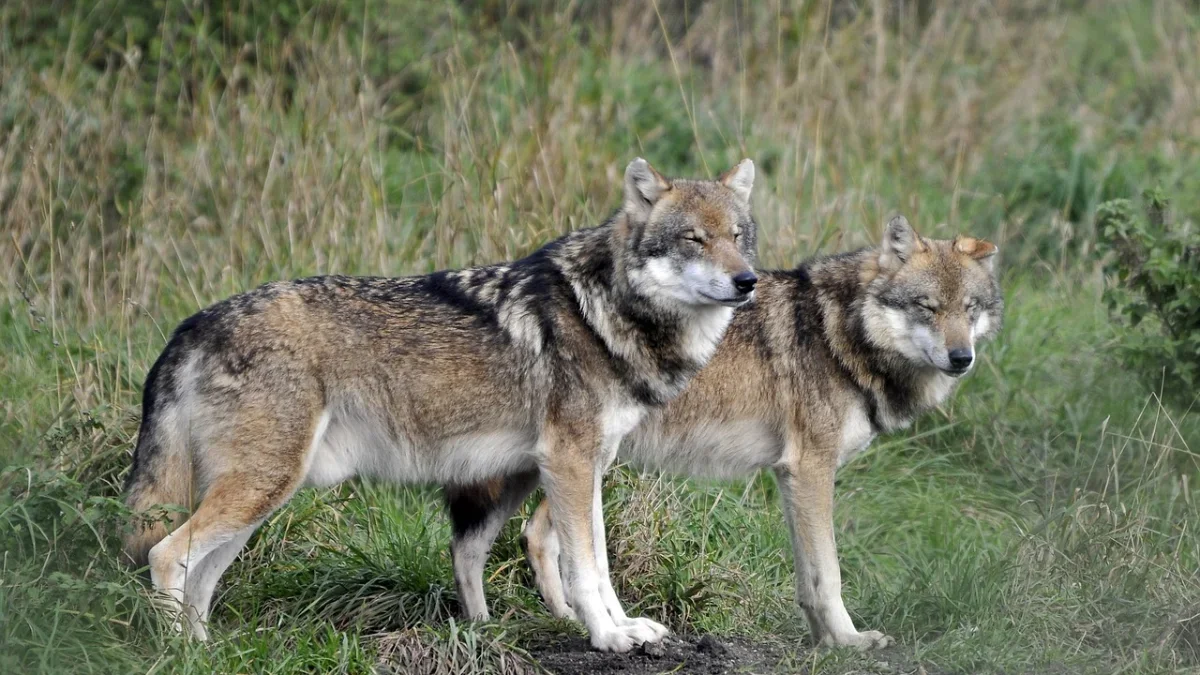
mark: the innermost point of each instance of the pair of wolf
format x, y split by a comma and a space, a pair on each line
650, 335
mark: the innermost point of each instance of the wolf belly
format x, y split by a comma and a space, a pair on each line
351, 443
710, 450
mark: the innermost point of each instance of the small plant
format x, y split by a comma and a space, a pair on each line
1153, 266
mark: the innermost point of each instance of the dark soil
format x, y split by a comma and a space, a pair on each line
707, 655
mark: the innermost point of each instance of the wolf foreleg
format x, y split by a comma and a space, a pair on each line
807, 491
570, 476
542, 549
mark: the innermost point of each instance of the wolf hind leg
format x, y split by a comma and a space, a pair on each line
477, 514
186, 565
202, 583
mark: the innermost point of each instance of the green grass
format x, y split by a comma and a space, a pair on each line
1043, 520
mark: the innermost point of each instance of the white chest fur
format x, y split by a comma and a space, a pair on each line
937, 390
616, 422
856, 434
705, 331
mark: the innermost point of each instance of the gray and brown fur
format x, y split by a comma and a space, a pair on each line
542, 364
830, 354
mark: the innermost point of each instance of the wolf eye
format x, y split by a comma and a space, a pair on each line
972, 303
737, 236
925, 304
693, 236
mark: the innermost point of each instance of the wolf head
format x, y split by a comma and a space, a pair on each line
933, 300
689, 242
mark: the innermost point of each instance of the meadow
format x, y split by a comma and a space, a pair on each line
157, 157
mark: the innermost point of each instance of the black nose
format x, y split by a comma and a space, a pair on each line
960, 359
744, 281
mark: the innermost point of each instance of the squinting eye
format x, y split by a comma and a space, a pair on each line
737, 235
692, 236
926, 305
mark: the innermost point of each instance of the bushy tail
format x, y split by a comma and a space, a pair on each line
161, 474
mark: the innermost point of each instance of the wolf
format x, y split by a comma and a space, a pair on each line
539, 365
830, 354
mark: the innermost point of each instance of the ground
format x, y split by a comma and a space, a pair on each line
706, 655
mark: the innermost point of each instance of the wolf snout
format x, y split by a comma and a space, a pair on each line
744, 282
961, 358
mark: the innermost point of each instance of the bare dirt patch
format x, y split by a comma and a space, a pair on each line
704, 655
711, 655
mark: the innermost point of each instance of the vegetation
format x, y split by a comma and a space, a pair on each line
156, 157
1156, 269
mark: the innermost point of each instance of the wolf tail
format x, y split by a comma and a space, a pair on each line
162, 463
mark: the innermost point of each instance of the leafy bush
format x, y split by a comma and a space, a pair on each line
1154, 270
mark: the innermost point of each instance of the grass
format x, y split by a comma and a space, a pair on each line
1044, 520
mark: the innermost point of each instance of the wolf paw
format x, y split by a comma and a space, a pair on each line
565, 612
623, 638
660, 631
864, 641
183, 622
199, 632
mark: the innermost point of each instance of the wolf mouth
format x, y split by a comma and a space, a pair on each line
729, 302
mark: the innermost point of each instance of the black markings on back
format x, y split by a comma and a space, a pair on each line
448, 289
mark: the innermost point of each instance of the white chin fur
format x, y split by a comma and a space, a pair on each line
707, 329
697, 284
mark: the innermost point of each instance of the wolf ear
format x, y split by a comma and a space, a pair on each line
740, 179
979, 249
643, 188
900, 240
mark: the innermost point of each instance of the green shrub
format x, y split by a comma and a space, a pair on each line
1153, 267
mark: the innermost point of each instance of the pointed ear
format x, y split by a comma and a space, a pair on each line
643, 188
978, 249
740, 179
900, 240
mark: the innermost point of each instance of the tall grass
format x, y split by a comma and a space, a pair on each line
152, 162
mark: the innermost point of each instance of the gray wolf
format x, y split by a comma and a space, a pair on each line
830, 354
543, 364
